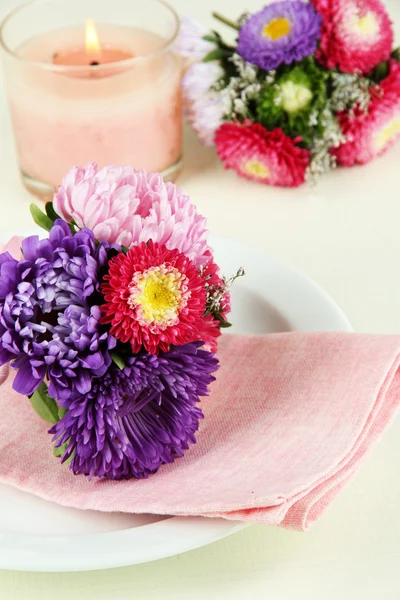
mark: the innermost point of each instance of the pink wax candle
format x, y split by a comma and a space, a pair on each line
112, 98
92, 54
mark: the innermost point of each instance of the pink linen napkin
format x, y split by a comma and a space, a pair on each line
287, 424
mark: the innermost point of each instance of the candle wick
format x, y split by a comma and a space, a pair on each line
94, 63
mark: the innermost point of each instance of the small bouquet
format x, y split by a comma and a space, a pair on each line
112, 320
305, 87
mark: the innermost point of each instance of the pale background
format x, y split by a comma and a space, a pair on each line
344, 234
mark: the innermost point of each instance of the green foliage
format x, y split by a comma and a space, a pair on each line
61, 412
217, 54
271, 110
396, 54
41, 218
118, 360
59, 450
380, 72
222, 53
223, 323
45, 406
50, 212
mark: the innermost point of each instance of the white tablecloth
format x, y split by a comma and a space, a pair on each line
345, 234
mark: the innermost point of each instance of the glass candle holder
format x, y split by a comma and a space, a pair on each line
109, 93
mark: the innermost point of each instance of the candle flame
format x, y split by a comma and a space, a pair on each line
92, 43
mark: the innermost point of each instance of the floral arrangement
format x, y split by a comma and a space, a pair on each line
306, 86
111, 321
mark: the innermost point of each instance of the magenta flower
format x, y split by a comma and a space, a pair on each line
356, 34
370, 133
269, 157
127, 206
156, 297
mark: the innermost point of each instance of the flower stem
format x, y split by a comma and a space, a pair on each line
225, 20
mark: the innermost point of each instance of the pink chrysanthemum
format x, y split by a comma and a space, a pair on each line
356, 34
270, 157
155, 297
369, 134
127, 206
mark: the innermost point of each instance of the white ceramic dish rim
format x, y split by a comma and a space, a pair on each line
313, 310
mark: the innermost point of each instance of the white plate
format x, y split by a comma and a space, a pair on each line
36, 535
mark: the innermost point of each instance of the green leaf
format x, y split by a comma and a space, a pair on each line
45, 406
74, 227
59, 450
396, 54
119, 361
380, 72
224, 324
61, 412
217, 54
50, 212
125, 249
212, 37
40, 218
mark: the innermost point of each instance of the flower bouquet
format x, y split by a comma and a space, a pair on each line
305, 87
111, 322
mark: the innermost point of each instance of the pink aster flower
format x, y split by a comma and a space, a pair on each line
269, 157
369, 134
127, 206
356, 34
155, 297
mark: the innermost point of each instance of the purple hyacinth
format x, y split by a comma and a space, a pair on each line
281, 32
133, 421
47, 325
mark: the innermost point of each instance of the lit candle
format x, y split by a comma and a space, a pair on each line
92, 53
110, 94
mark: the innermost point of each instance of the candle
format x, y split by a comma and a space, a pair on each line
91, 54
111, 95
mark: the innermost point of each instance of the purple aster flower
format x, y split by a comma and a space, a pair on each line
77, 352
45, 315
281, 32
133, 421
22, 334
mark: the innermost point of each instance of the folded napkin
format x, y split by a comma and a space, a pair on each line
288, 423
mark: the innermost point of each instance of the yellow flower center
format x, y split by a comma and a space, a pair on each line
257, 169
367, 25
158, 295
277, 28
294, 97
387, 134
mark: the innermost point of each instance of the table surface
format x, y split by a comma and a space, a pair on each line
344, 233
